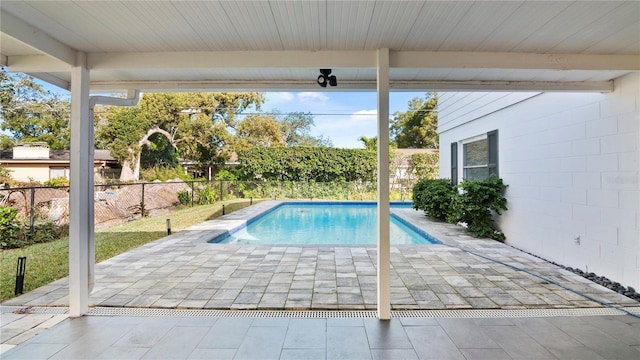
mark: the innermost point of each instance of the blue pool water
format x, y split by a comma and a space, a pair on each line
322, 224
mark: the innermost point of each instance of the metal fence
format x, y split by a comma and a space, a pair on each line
119, 202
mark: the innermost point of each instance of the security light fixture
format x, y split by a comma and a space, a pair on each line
326, 78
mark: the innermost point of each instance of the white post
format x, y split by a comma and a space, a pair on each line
81, 189
384, 264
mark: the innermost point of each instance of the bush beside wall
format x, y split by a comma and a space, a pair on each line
434, 197
473, 203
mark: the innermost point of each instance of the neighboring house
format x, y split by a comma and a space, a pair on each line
35, 161
571, 163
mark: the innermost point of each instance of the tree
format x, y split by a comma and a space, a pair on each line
370, 144
417, 128
277, 129
6, 143
189, 121
31, 113
259, 131
425, 166
296, 127
160, 152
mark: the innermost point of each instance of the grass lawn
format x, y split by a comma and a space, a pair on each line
50, 261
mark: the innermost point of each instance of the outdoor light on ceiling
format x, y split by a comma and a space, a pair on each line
326, 78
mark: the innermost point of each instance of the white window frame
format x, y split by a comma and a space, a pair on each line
464, 142
458, 168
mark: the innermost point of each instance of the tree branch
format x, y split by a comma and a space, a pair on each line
144, 141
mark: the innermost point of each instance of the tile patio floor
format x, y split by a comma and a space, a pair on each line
100, 337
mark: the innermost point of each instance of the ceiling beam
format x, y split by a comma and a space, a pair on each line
232, 59
35, 38
361, 59
503, 60
53, 80
347, 85
41, 64
36, 63
549, 86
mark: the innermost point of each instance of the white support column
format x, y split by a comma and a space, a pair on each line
384, 264
81, 189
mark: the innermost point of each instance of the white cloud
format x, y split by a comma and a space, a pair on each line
344, 131
280, 97
361, 119
312, 96
364, 116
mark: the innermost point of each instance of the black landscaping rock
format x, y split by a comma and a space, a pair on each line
601, 280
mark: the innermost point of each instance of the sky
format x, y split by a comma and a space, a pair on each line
342, 117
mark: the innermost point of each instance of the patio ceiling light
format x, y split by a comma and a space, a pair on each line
326, 77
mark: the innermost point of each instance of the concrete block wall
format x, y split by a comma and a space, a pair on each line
571, 161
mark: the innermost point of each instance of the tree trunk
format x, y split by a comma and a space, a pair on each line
131, 168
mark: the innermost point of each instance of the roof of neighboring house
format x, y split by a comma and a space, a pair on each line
102, 155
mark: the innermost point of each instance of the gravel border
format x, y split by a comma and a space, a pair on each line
600, 280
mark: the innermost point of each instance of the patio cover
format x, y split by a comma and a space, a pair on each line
383, 45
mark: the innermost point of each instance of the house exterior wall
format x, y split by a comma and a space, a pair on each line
25, 172
31, 152
571, 163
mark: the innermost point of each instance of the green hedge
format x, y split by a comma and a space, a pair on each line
319, 164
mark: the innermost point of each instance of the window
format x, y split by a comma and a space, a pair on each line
480, 156
56, 172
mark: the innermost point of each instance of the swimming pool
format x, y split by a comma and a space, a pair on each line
322, 223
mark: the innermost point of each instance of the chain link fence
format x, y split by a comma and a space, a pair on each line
118, 203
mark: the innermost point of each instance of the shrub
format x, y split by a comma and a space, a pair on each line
9, 226
57, 182
164, 173
475, 204
5, 177
205, 195
15, 233
434, 197
226, 175
184, 196
48, 231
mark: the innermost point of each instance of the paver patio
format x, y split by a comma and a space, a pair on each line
184, 271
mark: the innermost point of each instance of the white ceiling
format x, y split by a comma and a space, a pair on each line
273, 45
